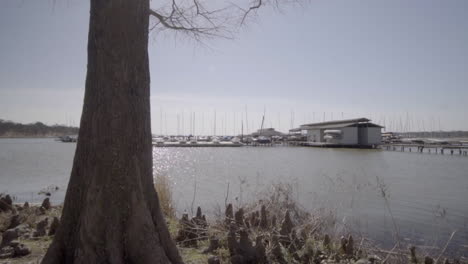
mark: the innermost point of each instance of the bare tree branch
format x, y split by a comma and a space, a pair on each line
246, 13
192, 18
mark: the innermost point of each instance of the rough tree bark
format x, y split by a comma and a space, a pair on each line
111, 212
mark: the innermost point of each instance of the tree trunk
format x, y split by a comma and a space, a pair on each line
111, 212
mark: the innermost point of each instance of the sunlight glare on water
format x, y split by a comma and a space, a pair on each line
427, 193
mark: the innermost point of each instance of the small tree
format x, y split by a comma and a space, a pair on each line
111, 212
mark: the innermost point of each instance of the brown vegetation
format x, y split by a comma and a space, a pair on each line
164, 190
274, 229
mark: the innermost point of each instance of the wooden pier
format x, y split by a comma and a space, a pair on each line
197, 145
460, 150
215, 145
330, 145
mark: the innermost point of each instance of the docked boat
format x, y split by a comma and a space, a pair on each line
263, 140
203, 139
68, 139
332, 135
215, 140
159, 141
236, 140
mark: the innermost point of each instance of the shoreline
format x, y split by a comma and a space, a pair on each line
31, 137
268, 231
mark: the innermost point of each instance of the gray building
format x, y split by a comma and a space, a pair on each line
350, 132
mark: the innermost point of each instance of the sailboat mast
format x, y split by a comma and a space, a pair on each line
242, 131
263, 120
246, 120
214, 127
161, 121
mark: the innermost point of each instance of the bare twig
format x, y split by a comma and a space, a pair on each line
389, 253
257, 5
383, 192
445, 247
227, 196
194, 195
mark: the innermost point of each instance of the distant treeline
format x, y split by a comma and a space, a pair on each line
436, 134
38, 129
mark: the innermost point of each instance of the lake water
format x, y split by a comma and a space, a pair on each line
427, 193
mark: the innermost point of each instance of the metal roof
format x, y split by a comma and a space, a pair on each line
330, 126
340, 126
336, 122
295, 129
361, 122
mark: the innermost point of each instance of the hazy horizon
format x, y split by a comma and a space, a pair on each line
402, 64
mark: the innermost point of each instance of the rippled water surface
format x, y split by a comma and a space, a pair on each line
427, 194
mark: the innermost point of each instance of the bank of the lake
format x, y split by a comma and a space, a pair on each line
427, 193
273, 230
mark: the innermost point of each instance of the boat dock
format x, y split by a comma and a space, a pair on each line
441, 149
461, 150
196, 145
330, 145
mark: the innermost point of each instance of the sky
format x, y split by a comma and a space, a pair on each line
404, 64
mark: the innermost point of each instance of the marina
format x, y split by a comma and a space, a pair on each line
358, 133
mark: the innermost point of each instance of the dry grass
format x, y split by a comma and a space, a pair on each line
310, 228
164, 189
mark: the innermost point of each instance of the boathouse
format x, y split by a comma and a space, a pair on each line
359, 132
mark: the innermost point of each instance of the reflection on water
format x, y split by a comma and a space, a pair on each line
427, 193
